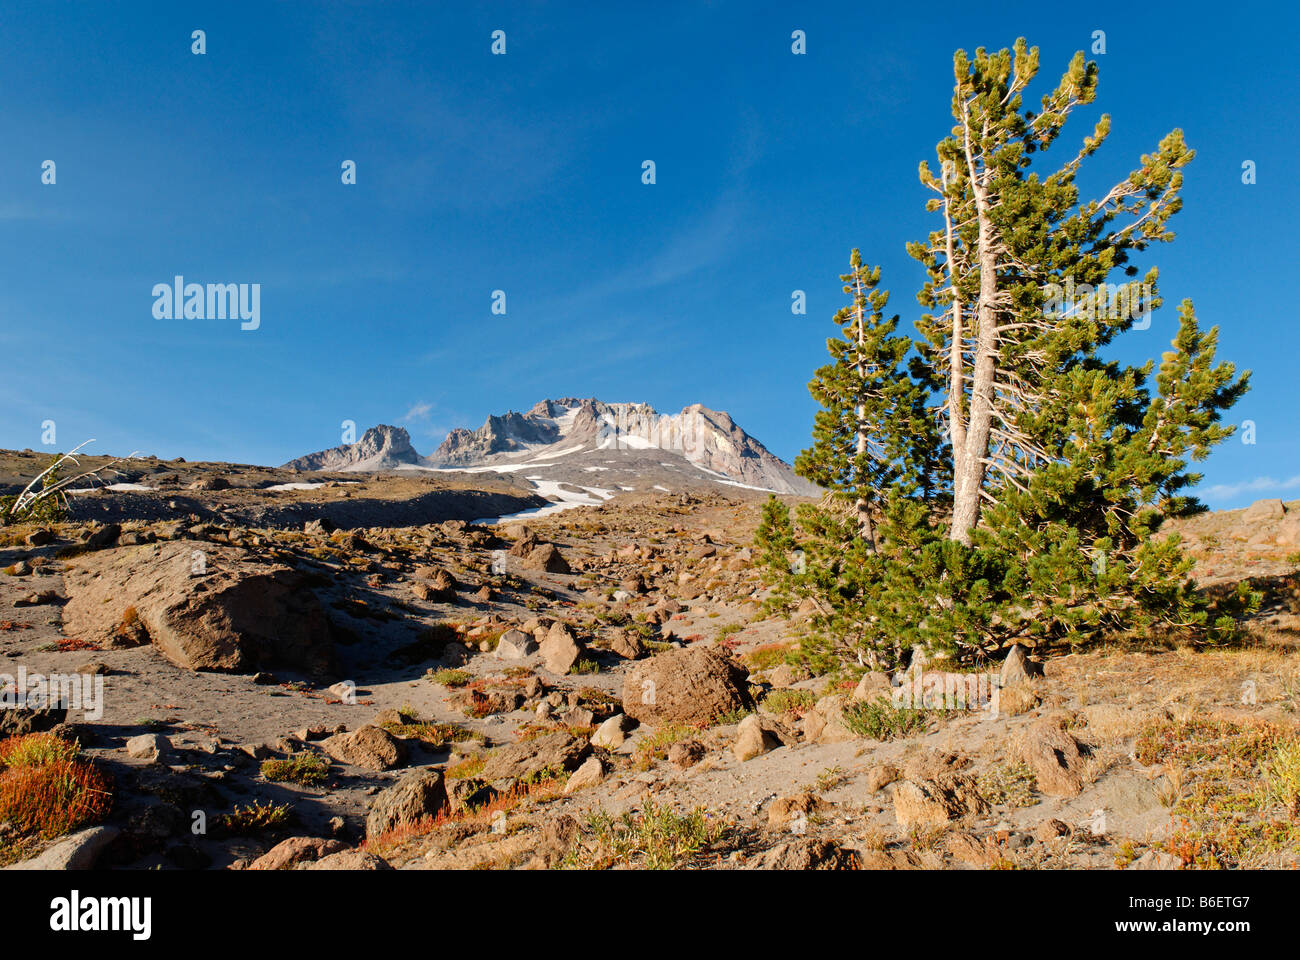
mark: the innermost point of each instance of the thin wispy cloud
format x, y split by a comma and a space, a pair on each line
1229, 491
420, 411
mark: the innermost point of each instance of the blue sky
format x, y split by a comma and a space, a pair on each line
523, 173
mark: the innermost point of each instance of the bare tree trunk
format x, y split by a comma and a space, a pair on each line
970, 474
865, 530
956, 360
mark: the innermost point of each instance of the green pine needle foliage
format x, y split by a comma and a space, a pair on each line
1086, 458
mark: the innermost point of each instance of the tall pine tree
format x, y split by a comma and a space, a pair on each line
1036, 517
872, 433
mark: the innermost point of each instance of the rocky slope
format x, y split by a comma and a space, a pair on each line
604, 688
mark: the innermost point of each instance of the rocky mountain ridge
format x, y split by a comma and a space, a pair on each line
571, 438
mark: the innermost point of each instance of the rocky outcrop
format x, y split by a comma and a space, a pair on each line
204, 606
380, 448
546, 557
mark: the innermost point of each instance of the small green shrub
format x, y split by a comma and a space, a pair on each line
790, 701
880, 720
255, 817
309, 769
451, 678
656, 839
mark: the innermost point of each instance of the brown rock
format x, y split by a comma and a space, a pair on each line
515, 645
825, 722
687, 685
560, 651
524, 546
872, 686
420, 793
610, 734
1262, 510
626, 644
752, 739
1288, 532
17, 721
786, 675
888, 860
881, 776
371, 747
797, 808
1051, 829
546, 557
806, 854
347, 860
1057, 758
557, 751
938, 802
686, 753
287, 853
105, 536
972, 851
1017, 668
463, 794
589, 774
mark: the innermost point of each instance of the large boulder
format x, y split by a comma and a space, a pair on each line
546, 557
560, 651
371, 747
515, 645
1262, 510
690, 685
205, 606
419, 794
